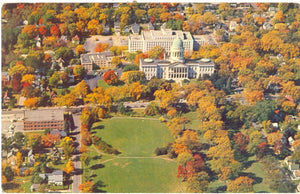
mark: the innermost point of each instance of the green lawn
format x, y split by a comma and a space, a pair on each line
134, 137
102, 84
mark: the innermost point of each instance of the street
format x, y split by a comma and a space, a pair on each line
76, 157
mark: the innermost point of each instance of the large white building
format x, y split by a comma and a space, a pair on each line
163, 38
102, 60
177, 67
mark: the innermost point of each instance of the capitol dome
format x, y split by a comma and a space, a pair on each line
177, 51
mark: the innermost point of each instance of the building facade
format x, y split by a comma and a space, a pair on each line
163, 38
41, 120
102, 60
176, 67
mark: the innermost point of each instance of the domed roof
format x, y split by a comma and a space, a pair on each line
177, 43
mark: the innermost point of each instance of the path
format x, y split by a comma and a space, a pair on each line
76, 157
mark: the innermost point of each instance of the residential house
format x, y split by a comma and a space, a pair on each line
272, 11
23, 171
117, 28
75, 39
295, 169
4, 79
126, 29
61, 134
11, 158
232, 25
150, 26
135, 28
30, 158
267, 26
34, 187
106, 29
55, 178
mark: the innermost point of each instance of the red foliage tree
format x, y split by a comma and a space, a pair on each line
181, 171
42, 30
261, 150
152, 19
16, 82
110, 77
54, 30
198, 163
50, 139
41, 21
241, 141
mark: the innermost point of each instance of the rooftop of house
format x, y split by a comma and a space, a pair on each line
44, 115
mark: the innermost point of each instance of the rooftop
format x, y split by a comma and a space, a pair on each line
44, 115
88, 58
166, 35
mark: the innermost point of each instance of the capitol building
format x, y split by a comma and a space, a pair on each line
176, 67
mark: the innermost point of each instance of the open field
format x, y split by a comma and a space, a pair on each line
136, 169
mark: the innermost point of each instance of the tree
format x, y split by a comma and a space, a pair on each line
69, 167
165, 16
94, 27
86, 187
32, 102
8, 173
64, 53
140, 14
34, 141
31, 30
132, 76
54, 30
79, 50
49, 140
54, 80
115, 61
100, 47
98, 97
67, 100
81, 90
78, 71
20, 68
42, 30
242, 184
198, 183
209, 18
16, 82
67, 146
29, 78
156, 52
110, 77
254, 96
19, 159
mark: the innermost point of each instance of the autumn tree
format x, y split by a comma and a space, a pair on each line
16, 82
110, 77
29, 78
67, 146
69, 167
42, 30
54, 30
242, 184
78, 71
50, 140
79, 50
100, 47
30, 30
132, 76
86, 187
81, 90
32, 102
99, 97
94, 27
19, 159
156, 52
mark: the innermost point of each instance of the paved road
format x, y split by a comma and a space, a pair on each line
76, 157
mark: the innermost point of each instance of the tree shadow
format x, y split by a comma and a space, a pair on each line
68, 182
96, 157
78, 171
248, 163
99, 127
253, 176
263, 192
220, 189
7, 186
74, 133
97, 166
97, 187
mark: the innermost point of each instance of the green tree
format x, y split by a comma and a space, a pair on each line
9, 173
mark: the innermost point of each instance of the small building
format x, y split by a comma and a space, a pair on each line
232, 25
55, 178
295, 169
30, 158
23, 171
117, 28
34, 187
267, 26
5, 79
135, 28
61, 134
43, 119
11, 158
102, 60
150, 26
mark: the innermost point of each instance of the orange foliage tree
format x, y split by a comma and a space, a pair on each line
100, 47
86, 187
241, 184
31, 102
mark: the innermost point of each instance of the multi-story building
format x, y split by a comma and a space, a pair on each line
43, 119
177, 67
102, 60
163, 38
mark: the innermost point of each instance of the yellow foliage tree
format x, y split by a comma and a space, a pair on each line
32, 102
69, 167
28, 78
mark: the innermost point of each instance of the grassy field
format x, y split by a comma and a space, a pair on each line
136, 169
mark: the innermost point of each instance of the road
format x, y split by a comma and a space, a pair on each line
76, 157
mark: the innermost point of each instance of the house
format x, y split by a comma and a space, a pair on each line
267, 26
102, 60
56, 154
55, 178
150, 26
105, 28
23, 171
117, 28
6, 98
126, 29
34, 187
295, 169
272, 11
61, 134
30, 158
11, 158
5, 79
232, 25
75, 40
135, 28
